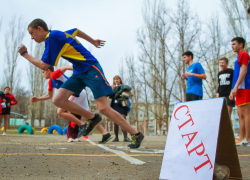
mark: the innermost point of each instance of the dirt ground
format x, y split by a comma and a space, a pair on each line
52, 157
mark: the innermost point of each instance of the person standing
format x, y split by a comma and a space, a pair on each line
5, 102
194, 75
241, 89
225, 79
12, 102
123, 110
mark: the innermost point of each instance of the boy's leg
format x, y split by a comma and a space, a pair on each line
6, 118
242, 123
125, 133
102, 130
70, 117
246, 114
68, 130
230, 110
116, 131
61, 100
8, 121
105, 109
75, 129
1, 119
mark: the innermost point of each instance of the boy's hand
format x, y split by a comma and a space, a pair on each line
113, 87
187, 74
233, 93
33, 99
22, 50
4, 100
183, 76
97, 43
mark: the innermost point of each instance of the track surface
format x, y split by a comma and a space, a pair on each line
52, 157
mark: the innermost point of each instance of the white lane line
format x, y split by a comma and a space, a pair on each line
91, 142
128, 158
149, 151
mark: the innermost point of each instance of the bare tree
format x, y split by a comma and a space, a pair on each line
210, 50
236, 13
37, 84
13, 38
186, 28
131, 80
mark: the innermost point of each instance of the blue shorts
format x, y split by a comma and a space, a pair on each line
93, 78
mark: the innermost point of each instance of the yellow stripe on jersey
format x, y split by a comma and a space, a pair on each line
47, 35
75, 32
73, 54
61, 52
73, 37
69, 52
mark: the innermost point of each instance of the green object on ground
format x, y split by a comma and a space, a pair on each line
25, 127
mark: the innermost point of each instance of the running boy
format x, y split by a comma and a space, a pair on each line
86, 72
56, 79
194, 75
241, 89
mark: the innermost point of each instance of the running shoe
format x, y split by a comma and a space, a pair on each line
127, 140
116, 140
4, 134
105, 138
76, 140
243, 143
88, 127
70, 140
136, 140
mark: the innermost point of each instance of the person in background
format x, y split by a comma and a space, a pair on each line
123, 110
225, 78
241, 89
12, 102
5, 102
194, 75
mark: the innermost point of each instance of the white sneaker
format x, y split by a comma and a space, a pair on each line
243, 143
70, 140
4, 134
76, 140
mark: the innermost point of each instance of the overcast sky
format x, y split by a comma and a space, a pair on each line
115, 21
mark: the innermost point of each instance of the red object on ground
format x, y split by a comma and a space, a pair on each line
85, 137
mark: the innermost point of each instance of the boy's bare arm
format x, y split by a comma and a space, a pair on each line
243, 72
97, 43
65, 68
200, 76
37, 62
42, 98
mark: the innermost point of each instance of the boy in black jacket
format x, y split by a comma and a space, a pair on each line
225, 78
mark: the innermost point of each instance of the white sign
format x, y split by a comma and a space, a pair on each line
192, 141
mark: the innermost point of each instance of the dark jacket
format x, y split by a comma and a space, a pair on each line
117, 95
7, 99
